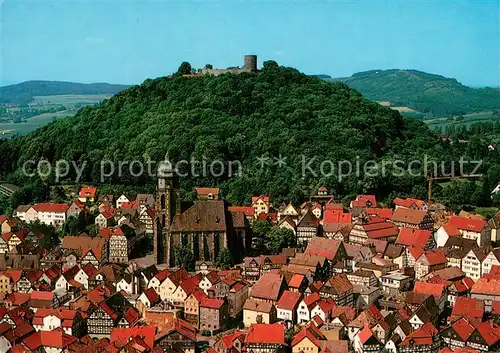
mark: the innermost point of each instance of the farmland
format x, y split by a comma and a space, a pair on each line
22, 120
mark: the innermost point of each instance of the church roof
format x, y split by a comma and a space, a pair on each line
203, 215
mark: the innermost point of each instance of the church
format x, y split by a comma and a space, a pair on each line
205, 226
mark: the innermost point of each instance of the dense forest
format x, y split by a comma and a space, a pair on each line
23, 93
424, 92
275, 112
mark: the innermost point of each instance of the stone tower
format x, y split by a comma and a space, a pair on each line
250, 62
168, 204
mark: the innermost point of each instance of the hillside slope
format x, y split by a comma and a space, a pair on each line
424, 92
273, 113
24, 92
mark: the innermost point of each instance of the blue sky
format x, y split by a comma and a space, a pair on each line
129, 41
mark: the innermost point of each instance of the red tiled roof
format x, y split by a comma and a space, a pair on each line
108, 213
435, 257
468, 307
452, 231
470, 224
18, 299
261, 197
311, 299
130, 205
87, 190
123, 335
429, 288
14, 274
108, 232
162, 275
51, 207
89, 269
271, 217
53, 339
488, 332
42, 295
415, 251
495, 307
152, 296
266, 333
132, 315
336, 216
362, 199
408, 202
296, 280
384, 213
228, 340
323, 247
311, 332
463, 328
207, 191
409, 237
365, 334
288, 300
268, 286
249, 211
423, 336
212, 303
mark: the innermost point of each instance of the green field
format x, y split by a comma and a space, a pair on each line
468, 120
31, 124
72, 102
69, 100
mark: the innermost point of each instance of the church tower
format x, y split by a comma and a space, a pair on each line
168, 204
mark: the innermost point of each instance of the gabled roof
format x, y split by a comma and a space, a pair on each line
463, 328
289, 300
152, 296
339, 284
408, 216
488, 332
366, 336
37, 295
470, 224
51, 207
212, 303
296, 281
308, 220
258, 306
206, 215
266, 334
468, 307
268, 286
434, 289
361, 201
310, 332
123, 335
423, 336
323, 247
336, 216
413, 237
87, 190
249, 211
434, 257
178, 276
408, 202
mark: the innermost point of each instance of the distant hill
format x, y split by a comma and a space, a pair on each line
24, 92
424, 92
275, 112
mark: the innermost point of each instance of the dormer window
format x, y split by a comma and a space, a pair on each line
217, 219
